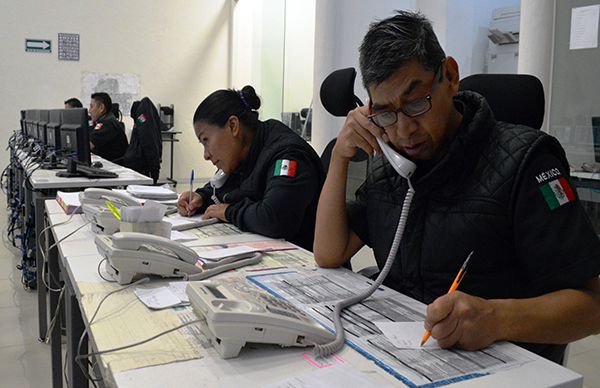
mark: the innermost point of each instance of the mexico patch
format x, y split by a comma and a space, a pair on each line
557, 193
142, 119
98, 126
285, 167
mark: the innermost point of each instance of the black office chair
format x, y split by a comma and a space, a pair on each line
145, 147
337, 97
514, 98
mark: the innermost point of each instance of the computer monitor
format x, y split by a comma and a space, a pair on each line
74, 134
22, 123
31, 119
596, 137
41, 125
53, 129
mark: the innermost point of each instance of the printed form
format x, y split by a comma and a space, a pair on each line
315, 291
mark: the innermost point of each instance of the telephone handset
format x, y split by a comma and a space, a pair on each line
404, 167
98, 196
217, 181
152, 243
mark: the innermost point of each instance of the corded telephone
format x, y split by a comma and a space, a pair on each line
128, 254
217, 181
405, 168
97, 196
237, 313
93, 203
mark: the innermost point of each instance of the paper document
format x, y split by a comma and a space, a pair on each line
337, 376
584, 27
151, 212
181, 236
151, 192
180, 222
315, 292
406, 335
220, 254
157, 298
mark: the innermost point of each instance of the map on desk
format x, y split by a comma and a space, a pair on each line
314, 291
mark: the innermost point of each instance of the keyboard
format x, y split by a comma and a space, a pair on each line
94, 172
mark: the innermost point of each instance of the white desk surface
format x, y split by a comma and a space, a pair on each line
265, 365
47, 179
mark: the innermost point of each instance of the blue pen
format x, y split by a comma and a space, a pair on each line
191, 191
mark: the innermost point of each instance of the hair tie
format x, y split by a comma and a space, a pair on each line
244, 100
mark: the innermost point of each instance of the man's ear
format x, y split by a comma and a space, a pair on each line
452, 74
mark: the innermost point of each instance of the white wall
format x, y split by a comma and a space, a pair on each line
460, 25
178, 48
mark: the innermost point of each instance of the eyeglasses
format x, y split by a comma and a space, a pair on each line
415, 108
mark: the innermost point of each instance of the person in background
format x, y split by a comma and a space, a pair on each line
500, 190
274, 177
107, 138
73, 103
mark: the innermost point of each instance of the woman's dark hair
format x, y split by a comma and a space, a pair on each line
220, 105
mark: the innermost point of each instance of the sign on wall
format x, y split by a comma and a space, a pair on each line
68, 47
38, 45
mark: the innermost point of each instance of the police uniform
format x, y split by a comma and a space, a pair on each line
108, 137
274, 192
502, 191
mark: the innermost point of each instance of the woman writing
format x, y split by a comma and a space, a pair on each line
274, 177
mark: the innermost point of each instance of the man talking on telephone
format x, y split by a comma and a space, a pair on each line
480, 185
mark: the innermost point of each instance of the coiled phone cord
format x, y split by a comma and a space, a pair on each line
338, 343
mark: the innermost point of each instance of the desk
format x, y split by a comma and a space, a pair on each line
256, 366
39, 185
170, 137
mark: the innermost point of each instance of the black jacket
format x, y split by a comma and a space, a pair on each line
262, 201
108, 137
482, 196
145, 149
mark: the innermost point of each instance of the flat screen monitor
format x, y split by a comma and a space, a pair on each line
41, 125
31, 119
596, 137
53, 129
22, 123
74, 134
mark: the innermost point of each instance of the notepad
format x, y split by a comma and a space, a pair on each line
180, 222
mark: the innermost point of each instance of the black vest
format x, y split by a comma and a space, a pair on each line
463, 203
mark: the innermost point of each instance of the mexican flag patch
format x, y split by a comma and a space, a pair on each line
98, 126
285, 167
557, 193
142, 119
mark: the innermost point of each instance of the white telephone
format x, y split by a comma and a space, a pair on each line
93, 203
217, 181
97, 196
128, 254
405, 168
237, 313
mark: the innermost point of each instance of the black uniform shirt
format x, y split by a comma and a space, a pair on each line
109, 139
275, 191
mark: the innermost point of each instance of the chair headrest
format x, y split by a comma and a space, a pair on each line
514, 98
337, 92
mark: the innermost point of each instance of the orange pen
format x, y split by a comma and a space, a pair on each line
453, 287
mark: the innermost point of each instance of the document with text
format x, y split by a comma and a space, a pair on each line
315, 291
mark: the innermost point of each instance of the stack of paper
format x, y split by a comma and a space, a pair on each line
151, 192
179, 222
69, 202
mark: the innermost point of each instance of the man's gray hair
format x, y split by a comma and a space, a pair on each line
394, 42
